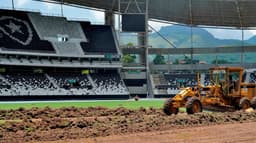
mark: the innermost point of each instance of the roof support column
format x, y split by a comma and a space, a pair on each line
141, 43
109, 18
13, 5
191, 34
243, 50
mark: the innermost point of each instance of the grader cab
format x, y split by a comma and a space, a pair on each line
227, 89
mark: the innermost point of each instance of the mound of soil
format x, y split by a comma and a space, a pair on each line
72, 112
72, 123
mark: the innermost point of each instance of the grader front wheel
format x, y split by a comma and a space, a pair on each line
194, 105
244, 103
168, 108
253, 102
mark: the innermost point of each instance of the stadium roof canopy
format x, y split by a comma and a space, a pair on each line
230, 13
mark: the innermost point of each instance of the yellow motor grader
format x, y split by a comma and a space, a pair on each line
227, 89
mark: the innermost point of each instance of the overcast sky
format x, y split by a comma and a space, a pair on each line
98, 17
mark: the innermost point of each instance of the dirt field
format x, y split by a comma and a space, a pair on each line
228, 133
100, 124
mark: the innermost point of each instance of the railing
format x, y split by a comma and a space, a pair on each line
169, 67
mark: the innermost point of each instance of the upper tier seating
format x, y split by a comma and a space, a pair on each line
68, 48
100, 37
49, 26
17, 33
30, 31
55, 28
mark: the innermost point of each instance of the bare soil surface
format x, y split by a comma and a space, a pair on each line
228, 133
73, 124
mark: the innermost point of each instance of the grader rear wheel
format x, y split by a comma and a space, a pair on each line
194, 105
244, 103
253, 102
168, 108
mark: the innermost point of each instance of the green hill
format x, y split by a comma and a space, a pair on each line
180, 36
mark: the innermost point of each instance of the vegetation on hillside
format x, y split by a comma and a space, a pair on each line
129, 58
159, 59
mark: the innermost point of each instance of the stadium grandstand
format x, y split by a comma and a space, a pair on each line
47, 56
53, 57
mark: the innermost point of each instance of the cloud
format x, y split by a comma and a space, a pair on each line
39, 5
249, 34
21, 3
253, 32
50, 6
225, 33
158, 25
97, 16
230, 34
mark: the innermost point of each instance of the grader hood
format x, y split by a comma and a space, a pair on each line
180, 98
185, 92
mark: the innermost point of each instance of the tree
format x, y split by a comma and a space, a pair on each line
188, 60
176, 62
221, 61
130, 45
129, 58
159, 59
